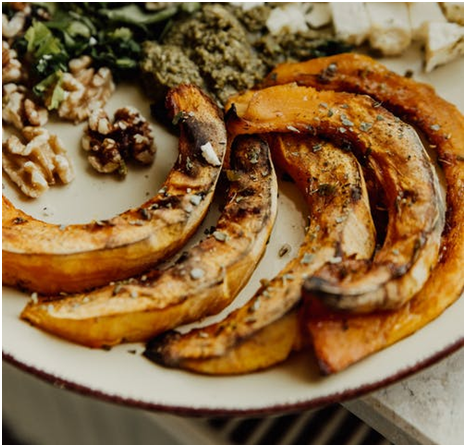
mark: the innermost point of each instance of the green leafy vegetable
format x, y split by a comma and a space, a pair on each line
40, 41
52, 84
110, 33
132, 14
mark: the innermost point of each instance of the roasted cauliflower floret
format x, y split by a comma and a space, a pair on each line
112, 144
35, 165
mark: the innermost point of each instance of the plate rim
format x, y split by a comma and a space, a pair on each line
179, 410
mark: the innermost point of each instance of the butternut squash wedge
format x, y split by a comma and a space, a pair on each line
394, 154
204, 280
47, 258
340, 226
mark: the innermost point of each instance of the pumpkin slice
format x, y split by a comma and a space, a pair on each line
396, 158
270, 345
49, 258
418, 104
340, 226
341, 340
203, 281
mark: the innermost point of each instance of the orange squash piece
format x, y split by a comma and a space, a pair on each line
340, 340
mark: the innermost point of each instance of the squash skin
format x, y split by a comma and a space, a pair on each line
392, 151
202, 282
50, 259
231, 346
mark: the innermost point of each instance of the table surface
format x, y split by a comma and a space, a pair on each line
427, 408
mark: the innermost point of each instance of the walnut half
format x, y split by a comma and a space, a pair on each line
14, 26
38, 163
11, 66
111, 144
85, 89
19, 110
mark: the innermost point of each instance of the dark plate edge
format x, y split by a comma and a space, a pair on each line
219, 412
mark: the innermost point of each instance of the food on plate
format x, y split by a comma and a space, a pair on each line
381, 256
14, 22
340, 340
270, 345
48, 36
444, 43
11, 66
356, 30
203, 281
50, 259
394, 154
79, 91
226, 49
33, 158
38, 163
421, 14
164, 66
212, 37
454, 11
340, 226
19, 110
441, 123
390, 28
112, 143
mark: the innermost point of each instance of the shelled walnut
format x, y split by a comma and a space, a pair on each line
19, 110
39, 163
11, 66
112, 144
85, 89
14, 26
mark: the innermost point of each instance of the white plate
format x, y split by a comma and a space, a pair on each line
127, 377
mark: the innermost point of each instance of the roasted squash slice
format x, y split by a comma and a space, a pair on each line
49, 258
204, 280
417, 103
340, 226
394, 154
341, 340
267, 347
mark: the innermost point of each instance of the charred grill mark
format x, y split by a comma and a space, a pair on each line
254, 149
156, 346
355, 193
169, 202
339, 252
247, 192
328, 73
19, 221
